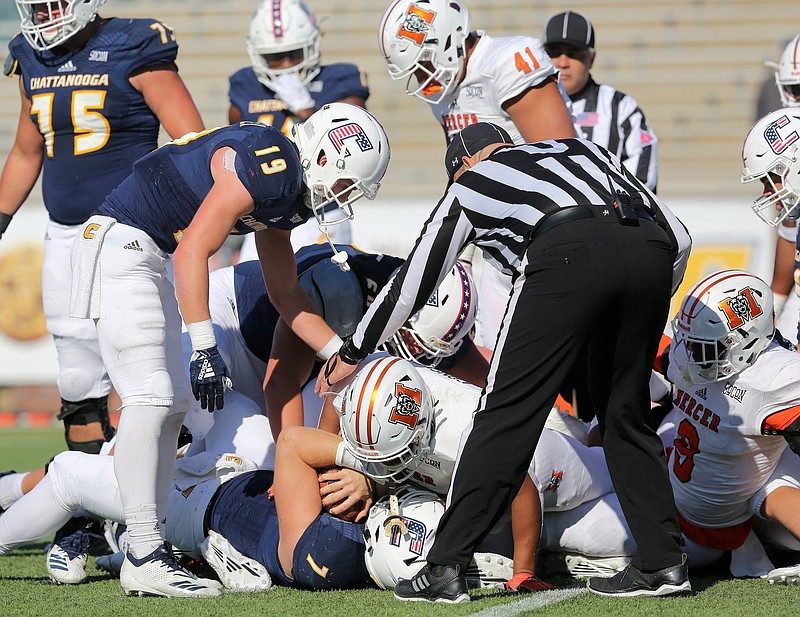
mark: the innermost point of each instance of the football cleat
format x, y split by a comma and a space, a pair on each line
65, 566
445, 584
632, 582
111, 564
67, 556
159, 574
785, 576
237, 572
489, 570
581, 566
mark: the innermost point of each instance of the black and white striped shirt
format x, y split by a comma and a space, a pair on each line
614, 120
496, 205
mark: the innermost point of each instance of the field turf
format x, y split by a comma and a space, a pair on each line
26, 590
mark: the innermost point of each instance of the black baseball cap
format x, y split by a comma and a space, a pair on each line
471, 139
569, 28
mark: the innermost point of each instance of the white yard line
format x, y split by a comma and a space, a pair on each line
530, 602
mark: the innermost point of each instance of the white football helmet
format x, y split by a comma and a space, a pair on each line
390, 554
341, 142
386, 417
723, 324
438, 329
426, 39
281, 26
787, 74
770, 149
48, 24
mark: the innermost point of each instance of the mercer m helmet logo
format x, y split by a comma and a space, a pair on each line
741, 308
408, 405
415, 25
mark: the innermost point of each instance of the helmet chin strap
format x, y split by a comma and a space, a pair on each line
339, 257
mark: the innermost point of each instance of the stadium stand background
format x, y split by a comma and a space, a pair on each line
695, 67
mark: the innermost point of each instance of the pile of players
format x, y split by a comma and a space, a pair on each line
258, 493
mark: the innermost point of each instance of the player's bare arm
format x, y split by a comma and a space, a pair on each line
288, 368
24, 162
234, 115
227, 200
540, 113
280, 275
166, 94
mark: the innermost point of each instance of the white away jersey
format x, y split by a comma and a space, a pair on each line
721, 458
498, 70
565, 471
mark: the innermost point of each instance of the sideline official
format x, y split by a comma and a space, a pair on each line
594, 257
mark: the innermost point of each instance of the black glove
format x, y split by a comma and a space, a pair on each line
209, 377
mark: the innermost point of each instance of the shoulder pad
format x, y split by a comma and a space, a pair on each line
10, 66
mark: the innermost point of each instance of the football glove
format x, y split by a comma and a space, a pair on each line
523, 581
291, 91
209, 377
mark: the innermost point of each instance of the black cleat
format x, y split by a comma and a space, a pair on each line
633, 582
434, 584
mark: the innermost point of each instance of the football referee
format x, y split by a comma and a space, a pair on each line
594, 257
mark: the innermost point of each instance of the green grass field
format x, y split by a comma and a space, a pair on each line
26, 590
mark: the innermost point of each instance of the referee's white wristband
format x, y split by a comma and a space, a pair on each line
331, 347
202, 334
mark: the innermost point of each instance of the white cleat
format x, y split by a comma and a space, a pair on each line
581, 566
785, 576
237, 572
159, 574
65, 566
489, 570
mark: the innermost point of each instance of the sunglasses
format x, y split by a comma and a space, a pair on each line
554, 51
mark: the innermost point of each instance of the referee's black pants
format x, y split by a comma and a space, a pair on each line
589, 281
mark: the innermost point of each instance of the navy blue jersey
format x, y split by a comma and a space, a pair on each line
257, 316
329, 555
94, 123
167, 186
258, 103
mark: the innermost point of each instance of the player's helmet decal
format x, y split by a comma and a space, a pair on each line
354, 133
416, 24
408, 405
741, 308
773, 138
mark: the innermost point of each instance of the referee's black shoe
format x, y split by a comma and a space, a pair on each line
633, 582
434, 584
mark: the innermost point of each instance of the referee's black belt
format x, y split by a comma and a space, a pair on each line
574, 213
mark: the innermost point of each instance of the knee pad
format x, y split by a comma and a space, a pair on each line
85, 412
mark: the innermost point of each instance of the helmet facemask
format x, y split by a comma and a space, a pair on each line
279, 28
787, 74
63, 20
770, 154
344, 154
724, 323
386, 417
782, 202
424, 42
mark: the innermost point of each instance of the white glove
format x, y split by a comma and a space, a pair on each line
291, 91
